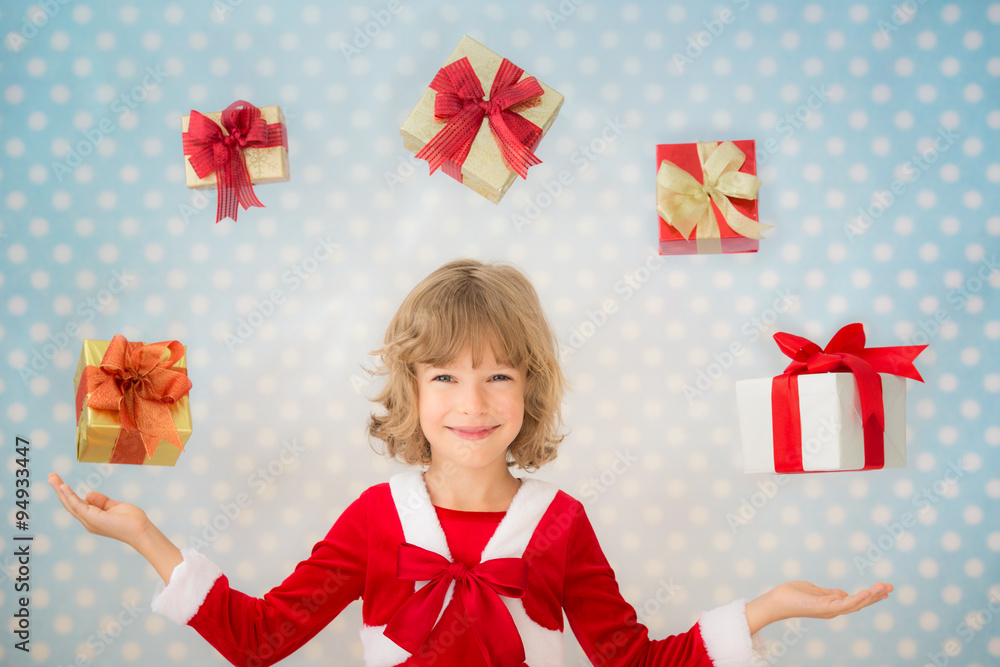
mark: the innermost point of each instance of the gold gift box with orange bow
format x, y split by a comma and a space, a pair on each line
144, 386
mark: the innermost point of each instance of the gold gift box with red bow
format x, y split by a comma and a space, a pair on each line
265, 165
484, 170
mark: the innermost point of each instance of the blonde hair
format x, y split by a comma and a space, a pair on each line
466, 304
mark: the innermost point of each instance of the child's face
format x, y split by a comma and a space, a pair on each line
470, 415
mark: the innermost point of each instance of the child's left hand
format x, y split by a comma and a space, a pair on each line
796, 599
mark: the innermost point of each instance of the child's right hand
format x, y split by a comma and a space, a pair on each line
101, 515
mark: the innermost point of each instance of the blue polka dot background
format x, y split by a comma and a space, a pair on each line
872, 123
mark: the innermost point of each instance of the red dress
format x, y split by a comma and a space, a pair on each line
566, 571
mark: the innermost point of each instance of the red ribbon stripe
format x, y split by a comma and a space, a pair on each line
846, 352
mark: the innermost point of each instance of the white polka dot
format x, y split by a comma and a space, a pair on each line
881, 93
219, 66
858, 66
767, 66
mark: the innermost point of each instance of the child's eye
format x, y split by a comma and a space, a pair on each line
499, 377
443, 378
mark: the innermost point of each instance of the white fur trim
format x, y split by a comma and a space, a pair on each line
189, 585
416, 513
542, 647
518, 525
379, 650
727, 636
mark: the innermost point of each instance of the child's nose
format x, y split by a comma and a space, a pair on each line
474, 400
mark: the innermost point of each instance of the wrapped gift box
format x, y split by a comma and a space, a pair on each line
676, 237
830, 413
97, 430
485, 169
265, 165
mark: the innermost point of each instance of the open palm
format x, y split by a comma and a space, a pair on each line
803, 599
99, 514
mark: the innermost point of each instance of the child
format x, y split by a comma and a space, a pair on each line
463, 564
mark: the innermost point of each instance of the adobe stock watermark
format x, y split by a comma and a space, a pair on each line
929, 328
791, 122
893, 530
562, 13
268, 644
103, 639
40, 358
365, 34
94, 479
756, 501
120, 107
913, 169
259, 480
666, 593
197, 202
34, 20
902, 14
221, 9
406, 166
700, 41
595, 487
265, 307
606, 650
827, 434
594, 320
582, 157
751, 330
775, 650
967, 630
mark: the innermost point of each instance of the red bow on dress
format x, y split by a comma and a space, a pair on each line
137, 382
460, 99
480, 587
210, 149
846, 351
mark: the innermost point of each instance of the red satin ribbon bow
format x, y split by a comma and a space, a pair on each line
480, 587
210, 149
136, 381
460, 99
846, 351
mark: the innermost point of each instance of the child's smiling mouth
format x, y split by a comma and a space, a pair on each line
472, 432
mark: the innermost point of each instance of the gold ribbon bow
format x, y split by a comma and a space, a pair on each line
686, 204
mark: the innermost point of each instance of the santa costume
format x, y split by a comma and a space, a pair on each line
445, 587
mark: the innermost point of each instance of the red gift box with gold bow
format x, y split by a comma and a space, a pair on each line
131, 402
483, 141
706, 197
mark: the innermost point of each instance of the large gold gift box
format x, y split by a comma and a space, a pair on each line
484, 170
265, 165
97, 430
